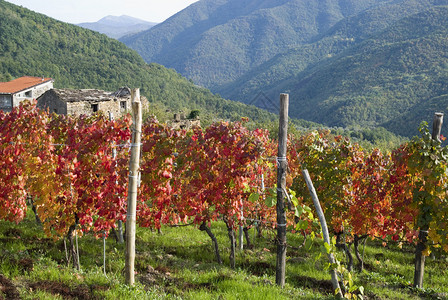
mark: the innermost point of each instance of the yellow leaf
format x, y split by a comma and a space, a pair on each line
426, 252
445, 247
434, 236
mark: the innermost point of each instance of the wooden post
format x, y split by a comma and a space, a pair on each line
120, 223
323, 224
133, 186
281, 187
241, 232
437, 126
423, 233
240, 237
104, 253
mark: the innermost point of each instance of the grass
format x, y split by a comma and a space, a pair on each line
180, 264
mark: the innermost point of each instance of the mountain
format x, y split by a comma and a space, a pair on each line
344, 63
343, 35
214, 42
395, 73
117, 27
36, 45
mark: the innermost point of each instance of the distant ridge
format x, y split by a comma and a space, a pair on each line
213, 42
118, 26
345, 63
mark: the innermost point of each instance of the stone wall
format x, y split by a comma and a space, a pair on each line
50, 101
181, 122
88, 102
117, 107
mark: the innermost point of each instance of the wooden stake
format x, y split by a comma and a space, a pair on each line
423, 233
323, 224
437, 126
241, 232
240, 238
133, 186
281, 187
104, 253
120, 223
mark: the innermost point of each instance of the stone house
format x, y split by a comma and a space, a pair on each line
180, 121
87, 101
24, 88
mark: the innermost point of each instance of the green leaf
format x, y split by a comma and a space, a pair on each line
302, 224
323, 249
294, 199
246, 188
361, 290
270, 201
350, 282
333, 240
308, 244
334, 266
231, 184
327, 248
299, 211
254, 197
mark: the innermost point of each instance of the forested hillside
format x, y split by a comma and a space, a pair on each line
214, 42
364, 63
36, 45
393, 74
377, 68
343, 35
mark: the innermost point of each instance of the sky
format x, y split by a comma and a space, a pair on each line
79, 11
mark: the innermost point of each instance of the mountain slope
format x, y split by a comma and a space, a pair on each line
117, 27
214, 42
391, 74
36, 45
343, 35
344, 63
374, 68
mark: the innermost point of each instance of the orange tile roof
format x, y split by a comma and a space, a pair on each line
21, 84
